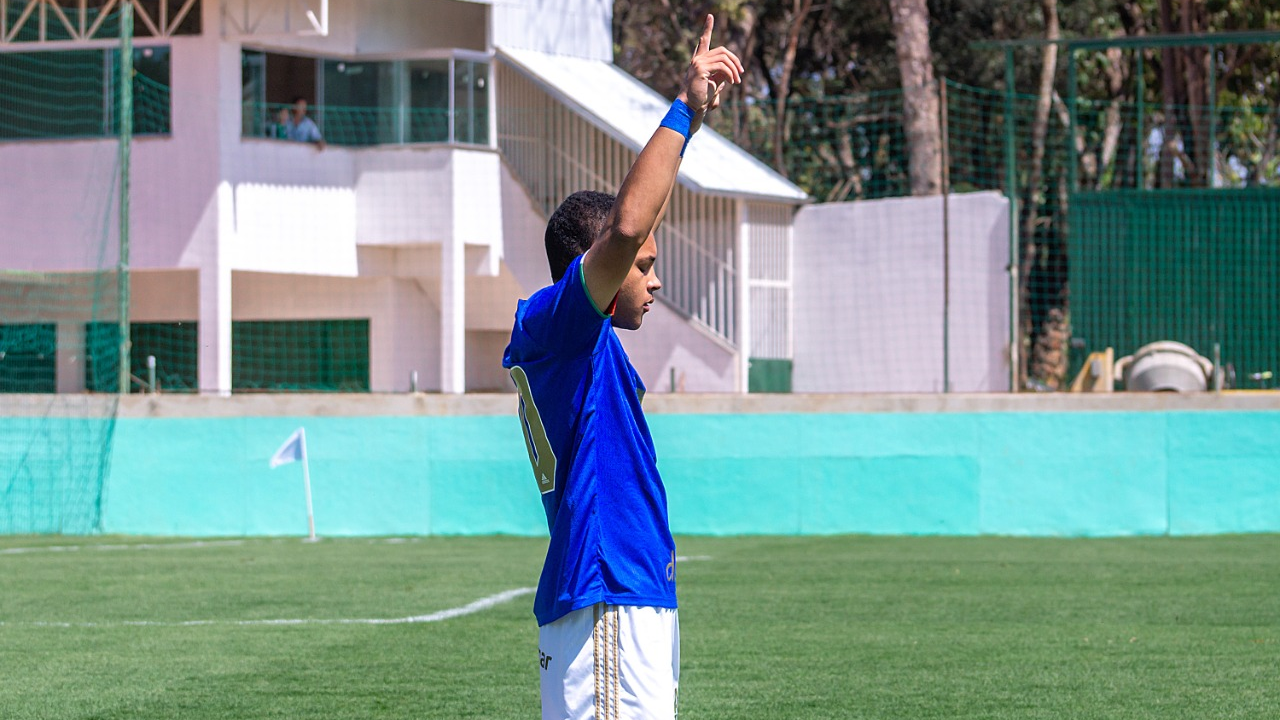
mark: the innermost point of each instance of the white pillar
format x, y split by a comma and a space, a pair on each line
743, 271
384, 353
70, 357
213, 115
453, 315
214, 331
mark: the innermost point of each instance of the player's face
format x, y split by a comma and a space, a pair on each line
636, 295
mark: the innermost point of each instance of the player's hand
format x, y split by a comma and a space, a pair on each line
709, 72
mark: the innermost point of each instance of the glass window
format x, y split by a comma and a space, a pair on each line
269, 83
151, 100
428, 100
74, 93
28, 358
471, 102
255, 116
360, 103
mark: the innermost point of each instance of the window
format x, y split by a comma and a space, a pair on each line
28, 358
470, 102
174, 345
300, 355
428, 100
360, 103
370, 102
75, 93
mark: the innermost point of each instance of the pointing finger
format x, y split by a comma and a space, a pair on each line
704, 43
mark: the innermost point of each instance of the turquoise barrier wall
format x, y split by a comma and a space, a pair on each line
959, 473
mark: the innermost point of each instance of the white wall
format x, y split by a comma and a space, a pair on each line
360, 26
476, 190
869, 295
667, 341
523, 227
302, 230
400, 25
403, 321
404, 196
60, 197
578, 28
58, 205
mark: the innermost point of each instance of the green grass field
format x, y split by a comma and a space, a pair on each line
835, 627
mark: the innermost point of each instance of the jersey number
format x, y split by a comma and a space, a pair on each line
541, 456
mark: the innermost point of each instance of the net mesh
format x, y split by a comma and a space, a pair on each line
1148, 221
1109, 171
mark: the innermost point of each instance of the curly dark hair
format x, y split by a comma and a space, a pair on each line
574, 226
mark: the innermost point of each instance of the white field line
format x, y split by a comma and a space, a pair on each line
166, 546
140, 546
479, 605
212, 543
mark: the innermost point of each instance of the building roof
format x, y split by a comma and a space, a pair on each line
627, 110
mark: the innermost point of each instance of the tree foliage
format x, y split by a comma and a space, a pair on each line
822, 102
846, 49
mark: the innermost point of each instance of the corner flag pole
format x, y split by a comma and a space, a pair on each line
295, 449
306, 484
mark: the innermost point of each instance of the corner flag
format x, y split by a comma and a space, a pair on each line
293, 450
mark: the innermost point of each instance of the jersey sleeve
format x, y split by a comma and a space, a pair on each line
562, 318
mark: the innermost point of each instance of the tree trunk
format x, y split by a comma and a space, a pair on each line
799, 12
1195, 74
739, 92
919, 96
1169, 91
1031, 212
1116, 76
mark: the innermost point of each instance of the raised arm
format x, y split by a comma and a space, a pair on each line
643, 197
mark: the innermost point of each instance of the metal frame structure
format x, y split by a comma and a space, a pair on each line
80, 22
273, 17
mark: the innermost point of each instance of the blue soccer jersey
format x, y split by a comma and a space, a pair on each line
592, 456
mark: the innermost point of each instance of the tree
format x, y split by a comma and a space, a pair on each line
799, 12
919, 95
1048, 361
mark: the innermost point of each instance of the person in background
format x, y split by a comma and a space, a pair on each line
299, 127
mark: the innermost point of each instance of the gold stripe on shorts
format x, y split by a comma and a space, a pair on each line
617, 657
606, 642
595, 651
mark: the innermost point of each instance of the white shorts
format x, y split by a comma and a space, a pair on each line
611, 662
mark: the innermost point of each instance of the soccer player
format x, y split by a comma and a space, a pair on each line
609, 637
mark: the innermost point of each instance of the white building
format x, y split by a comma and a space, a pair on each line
395, 255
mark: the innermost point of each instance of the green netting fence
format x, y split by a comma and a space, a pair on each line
76, 93
845, 148
356, 126
1201, 267
1122, 242
1109, 174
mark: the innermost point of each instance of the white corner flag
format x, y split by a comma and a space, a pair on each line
295, 449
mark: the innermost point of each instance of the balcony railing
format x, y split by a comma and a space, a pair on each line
368, 126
